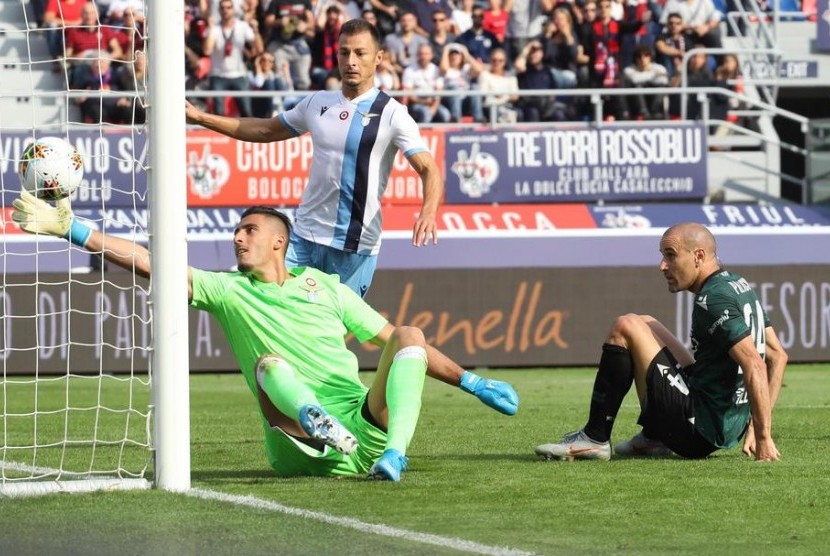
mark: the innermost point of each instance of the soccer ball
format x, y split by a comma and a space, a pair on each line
51, 168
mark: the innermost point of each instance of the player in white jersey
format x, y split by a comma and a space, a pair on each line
356, 133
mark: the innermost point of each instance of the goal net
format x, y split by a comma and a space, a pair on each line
79, 399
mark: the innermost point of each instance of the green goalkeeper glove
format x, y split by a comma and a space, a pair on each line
36, 216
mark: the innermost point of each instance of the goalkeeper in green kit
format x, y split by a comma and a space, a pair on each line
287, 327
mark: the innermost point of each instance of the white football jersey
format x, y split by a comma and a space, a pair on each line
355, 142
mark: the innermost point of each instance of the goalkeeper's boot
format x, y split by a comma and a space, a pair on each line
575, 445
642, 446
321, 426
389, 466
493, 393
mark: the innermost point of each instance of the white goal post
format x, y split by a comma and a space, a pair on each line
94, 362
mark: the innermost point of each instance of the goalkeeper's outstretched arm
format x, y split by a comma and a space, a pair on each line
39, 217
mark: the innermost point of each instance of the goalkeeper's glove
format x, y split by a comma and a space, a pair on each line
493, 393
36, 216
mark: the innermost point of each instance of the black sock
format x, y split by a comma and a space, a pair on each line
613, 381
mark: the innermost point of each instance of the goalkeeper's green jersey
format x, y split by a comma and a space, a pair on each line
305, 321
726, 310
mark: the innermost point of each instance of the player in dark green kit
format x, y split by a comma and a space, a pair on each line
692, 403
287, 328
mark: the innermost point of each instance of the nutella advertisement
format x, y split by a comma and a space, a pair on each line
494, 317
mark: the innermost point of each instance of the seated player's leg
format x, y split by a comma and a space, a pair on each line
394, 399
668, 412
626, 356
292, 406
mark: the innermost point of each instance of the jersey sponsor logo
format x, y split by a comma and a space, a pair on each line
323, 109
721, 319
701, 302
344, 115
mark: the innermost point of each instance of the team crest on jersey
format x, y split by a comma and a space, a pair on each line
344, 115
311, 288
367, 117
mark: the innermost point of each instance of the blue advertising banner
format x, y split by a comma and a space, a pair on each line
589, 164
744, 215
114, 168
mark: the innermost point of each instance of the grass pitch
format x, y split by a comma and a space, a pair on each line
473, 478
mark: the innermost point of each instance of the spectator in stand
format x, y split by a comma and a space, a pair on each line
459, 71
479, 41
698, 74
404, 45
288, 23
130, 35
229, 44
93, 73
129, 77
728, 73
700, 17
348, 8
386, 78
673, 43
369, 15
388, 12
525, 21
584, 29
266, 77
196, 9
562, 49
243, 9
533, 74
645, 73
90, 36
424, 75
117, 9
324, 46
197, 64
423, 12
605, 39
59, 15
495, 20
502, 107
462, 16
442, 36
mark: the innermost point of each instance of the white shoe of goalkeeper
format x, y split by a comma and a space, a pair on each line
321, 426
575, 445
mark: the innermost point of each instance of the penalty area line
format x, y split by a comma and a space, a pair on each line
371, 528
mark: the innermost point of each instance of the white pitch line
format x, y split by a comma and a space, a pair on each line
372, 528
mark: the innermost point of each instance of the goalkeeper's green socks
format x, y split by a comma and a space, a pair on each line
288, 394
403, 396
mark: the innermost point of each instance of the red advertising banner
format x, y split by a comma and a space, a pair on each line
224, 172
495, 217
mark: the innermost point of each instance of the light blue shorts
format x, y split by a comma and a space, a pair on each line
355, 270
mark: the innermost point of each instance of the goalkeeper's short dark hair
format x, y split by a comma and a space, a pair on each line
268, 211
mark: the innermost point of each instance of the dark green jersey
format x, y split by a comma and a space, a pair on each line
726, 310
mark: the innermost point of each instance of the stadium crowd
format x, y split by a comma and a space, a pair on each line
431, 45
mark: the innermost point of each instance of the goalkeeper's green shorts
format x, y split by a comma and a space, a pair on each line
290, 457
